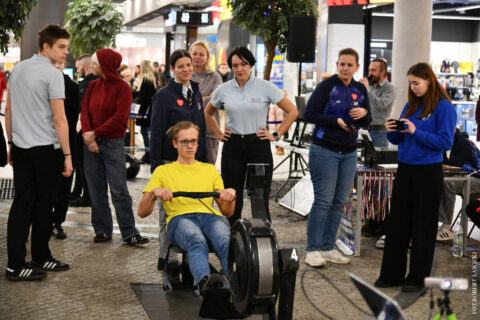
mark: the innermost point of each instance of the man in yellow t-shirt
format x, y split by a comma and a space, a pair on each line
191, 225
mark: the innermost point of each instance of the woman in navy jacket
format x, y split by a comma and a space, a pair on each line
338, 107
179, 100
429, 120
173, 104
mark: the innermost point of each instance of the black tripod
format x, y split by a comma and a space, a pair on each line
297, 162
444, 305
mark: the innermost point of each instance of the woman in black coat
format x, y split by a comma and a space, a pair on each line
146, 91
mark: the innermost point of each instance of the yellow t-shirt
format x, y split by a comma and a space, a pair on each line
197, 177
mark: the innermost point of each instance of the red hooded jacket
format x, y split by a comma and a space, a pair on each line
107, 102
3, 84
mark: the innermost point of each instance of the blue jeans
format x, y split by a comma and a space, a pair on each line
332, 175
100, 168
193, 233
379, 138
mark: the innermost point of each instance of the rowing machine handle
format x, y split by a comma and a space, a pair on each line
196, 195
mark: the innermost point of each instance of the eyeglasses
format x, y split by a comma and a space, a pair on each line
185, 143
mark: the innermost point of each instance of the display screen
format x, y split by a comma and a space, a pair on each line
68, 72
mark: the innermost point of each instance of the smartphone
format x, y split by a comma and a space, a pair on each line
400, 125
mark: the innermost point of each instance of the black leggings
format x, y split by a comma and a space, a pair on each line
237, 152
417, 190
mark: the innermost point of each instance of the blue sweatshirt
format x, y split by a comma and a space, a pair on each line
169, 107
433, 135
331, 100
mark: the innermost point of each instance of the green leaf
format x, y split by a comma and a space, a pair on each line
268, 19
13, 17
93, 24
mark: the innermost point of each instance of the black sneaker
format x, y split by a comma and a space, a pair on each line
380, 284
80, 202
51, 265
102, 237
136, 239
412, 288
74, 198
174, 273
201, 285
27, 272
213, 281
160, 264
58, 232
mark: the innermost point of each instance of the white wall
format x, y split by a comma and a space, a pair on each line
342, 36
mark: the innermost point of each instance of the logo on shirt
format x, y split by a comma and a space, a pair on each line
354, 96
255, 100
180, 102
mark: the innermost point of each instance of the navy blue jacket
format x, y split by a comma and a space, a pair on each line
169, 107
331, 100
461, 151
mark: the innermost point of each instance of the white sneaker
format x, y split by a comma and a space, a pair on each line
335, 256
444, 233
315, 259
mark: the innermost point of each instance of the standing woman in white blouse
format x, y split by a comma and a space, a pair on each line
246, 100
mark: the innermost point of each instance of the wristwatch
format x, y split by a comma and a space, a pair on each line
276, 135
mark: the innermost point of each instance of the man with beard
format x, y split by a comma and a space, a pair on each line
77, 199
381, 94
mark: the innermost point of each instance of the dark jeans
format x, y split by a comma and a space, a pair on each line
237, 152
417, 190
80, 180
108, 167
35, 177
145, 131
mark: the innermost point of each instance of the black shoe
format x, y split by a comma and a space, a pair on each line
380, 284
74, 197
58, 232
160, 264
80, 202
213, 281
145, 158
173, 273
411, 288
51, 265
136, 239
102, 237
27, 272
201, 285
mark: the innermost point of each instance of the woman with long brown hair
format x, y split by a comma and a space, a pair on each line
429, 122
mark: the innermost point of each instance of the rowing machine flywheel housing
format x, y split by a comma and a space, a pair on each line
253, 266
